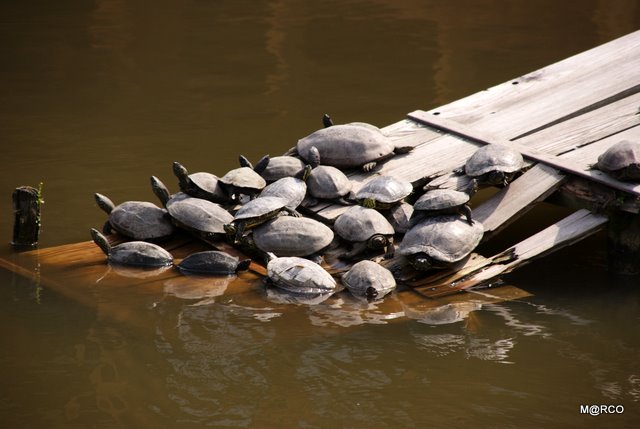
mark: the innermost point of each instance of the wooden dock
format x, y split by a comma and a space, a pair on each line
561, 118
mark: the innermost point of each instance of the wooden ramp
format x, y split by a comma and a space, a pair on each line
560, 118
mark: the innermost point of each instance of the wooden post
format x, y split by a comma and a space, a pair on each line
26, 205
623, 243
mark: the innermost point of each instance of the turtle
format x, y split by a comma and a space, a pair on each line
283, 166
621, 161
437, 202
292, 236
349, 146
366, 229
299, 275
494, 165
136, 253
291, 189
213, 262
139, 220
440, 242
254, 213
200, 185
204, 218
383, 192
399, 216
326, 182
369, 279
242, 180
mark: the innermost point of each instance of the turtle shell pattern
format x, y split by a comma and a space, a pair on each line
493, 157
360, 223
299, 275
292, 236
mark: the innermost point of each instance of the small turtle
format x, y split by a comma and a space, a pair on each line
366, 229
137, 253
383, 192
243, 180
621, 161
368, 279
326, 182
299, 275
254, 213
203, 218
494, 165
438, 202
399, 216
350, 145
139, 220
213, 262
440, 242
292, 236
283, 166
200, 185
291, 189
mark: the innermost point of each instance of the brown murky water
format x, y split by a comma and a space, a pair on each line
98, 96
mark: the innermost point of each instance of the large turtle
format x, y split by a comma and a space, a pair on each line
136, 253
254, 213
440, 242
437, 202
369, 279
621, 161
350, 145
139, 220
292, 236
212, 262
200, 185
201, 217
494, 165
366, 229
299, 275
383, 192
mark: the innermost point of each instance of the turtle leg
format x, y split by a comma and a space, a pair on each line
240, 226
390, 250
369, 166
356, 249
466, 211
291, 212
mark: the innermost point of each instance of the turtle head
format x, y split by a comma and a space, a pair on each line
230, 230
244, 162
262, 164
160, 190
314, 156
243, 265
369, 203
104, 203
421, 262
327, 121
377, 241
101, 241
496, 178
180, 172
306, 172
371, 293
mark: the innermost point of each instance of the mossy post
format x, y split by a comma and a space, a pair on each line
27, 202
623, 242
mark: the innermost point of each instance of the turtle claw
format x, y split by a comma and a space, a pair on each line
369, 166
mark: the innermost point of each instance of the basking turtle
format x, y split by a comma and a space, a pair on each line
399, 216
299, 275
200, 185
292, 236
243, 180
292, 189
369, 279
254, 213
366, 229
440, 242
437, 202
326, 182
494, 165
137, 253
204, 218
139, 220
621, 161
213, 262
383, 192
350, 145
283, 166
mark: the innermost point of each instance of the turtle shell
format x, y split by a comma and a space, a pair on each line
358, 224
243, 177
348, 145
212, 262
328, 182
209, 183
141, 220
259, 208
441, 199
446, 239
621, 155
385, 189
292, 236
288, 188
493, 157
399, 216
299, 275
198, 215
369, 279
282, 166
140, 253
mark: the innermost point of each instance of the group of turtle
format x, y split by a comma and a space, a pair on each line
257, 208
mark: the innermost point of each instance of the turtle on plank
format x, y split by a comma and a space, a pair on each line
494, 165
254, 213
383, 192
292, 236
621, 161
369, 279
437, 202
365, 229
136, 253
200, 185
212, 262
299, 275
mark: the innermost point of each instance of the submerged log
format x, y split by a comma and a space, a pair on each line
27, 201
